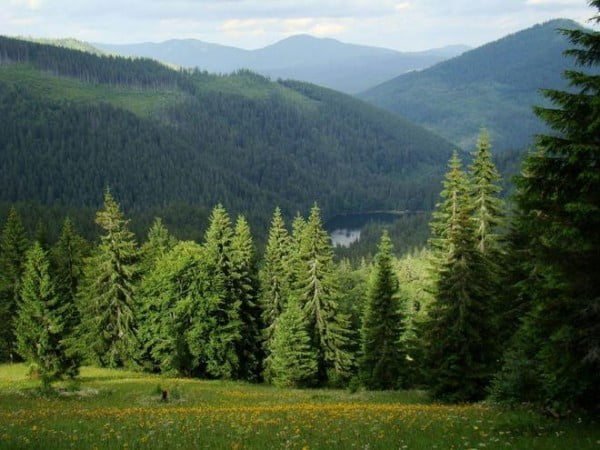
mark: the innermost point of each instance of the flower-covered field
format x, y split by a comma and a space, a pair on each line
119, 409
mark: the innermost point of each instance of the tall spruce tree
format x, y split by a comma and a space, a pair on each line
459, 336
274, 281
317, 292
13, 246
106, 302
294, 360
488, 209
40, 323
223, 338
558, 234
444, 217
382, 358
67, 262
245, 289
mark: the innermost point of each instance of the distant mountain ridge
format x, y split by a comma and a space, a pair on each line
327, 62
493, 86
175, 143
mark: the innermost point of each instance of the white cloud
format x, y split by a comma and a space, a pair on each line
31, 4
400, 24
402, 6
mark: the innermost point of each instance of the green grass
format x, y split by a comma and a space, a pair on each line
121, 409
139, 100
255, 87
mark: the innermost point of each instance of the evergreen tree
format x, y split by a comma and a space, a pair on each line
558, 229
40, 319
223, 338
444, 217
158, 242
67, 258
245, 289
176, 298
459, 337
488, 209
382, 358
318, 295
106, 298
294, 360
13, 245
274, 280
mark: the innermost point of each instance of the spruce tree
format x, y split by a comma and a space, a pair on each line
40, 323
294, 360
158, 242
382, 358
274, 280
317, 292
488, 209
245, 289
444, 217
558, 241
67, 263
223, 338
175, 299
106, 299
13, 246
459, 337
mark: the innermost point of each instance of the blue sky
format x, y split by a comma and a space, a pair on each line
399, 24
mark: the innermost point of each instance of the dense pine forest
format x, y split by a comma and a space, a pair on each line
503, 303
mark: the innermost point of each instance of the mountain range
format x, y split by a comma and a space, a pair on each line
175, 143
324, 61
493, 86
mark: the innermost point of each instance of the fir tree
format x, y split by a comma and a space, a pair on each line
175, 300
444, 217
382, 358
13, 245
245, 289
558, 241
40, 320
223, 338
293, 357
459, 336
488, 209
67, 258
318, 295
274, 280
106, 298
158, 242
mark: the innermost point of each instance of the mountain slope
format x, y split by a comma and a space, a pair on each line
493, 86
74, 123
323, 61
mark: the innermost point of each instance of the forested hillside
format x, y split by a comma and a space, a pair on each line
174, 143
493, 86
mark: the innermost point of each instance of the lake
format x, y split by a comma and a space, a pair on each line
344, 229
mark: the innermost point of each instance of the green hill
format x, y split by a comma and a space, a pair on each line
493, 86
175, 143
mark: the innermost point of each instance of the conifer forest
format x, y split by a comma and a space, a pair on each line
485, 305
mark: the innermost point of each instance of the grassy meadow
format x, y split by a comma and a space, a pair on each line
120, 409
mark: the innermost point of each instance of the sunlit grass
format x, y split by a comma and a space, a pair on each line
139, 100
123, 409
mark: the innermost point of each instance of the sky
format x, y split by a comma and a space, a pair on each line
405, 25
